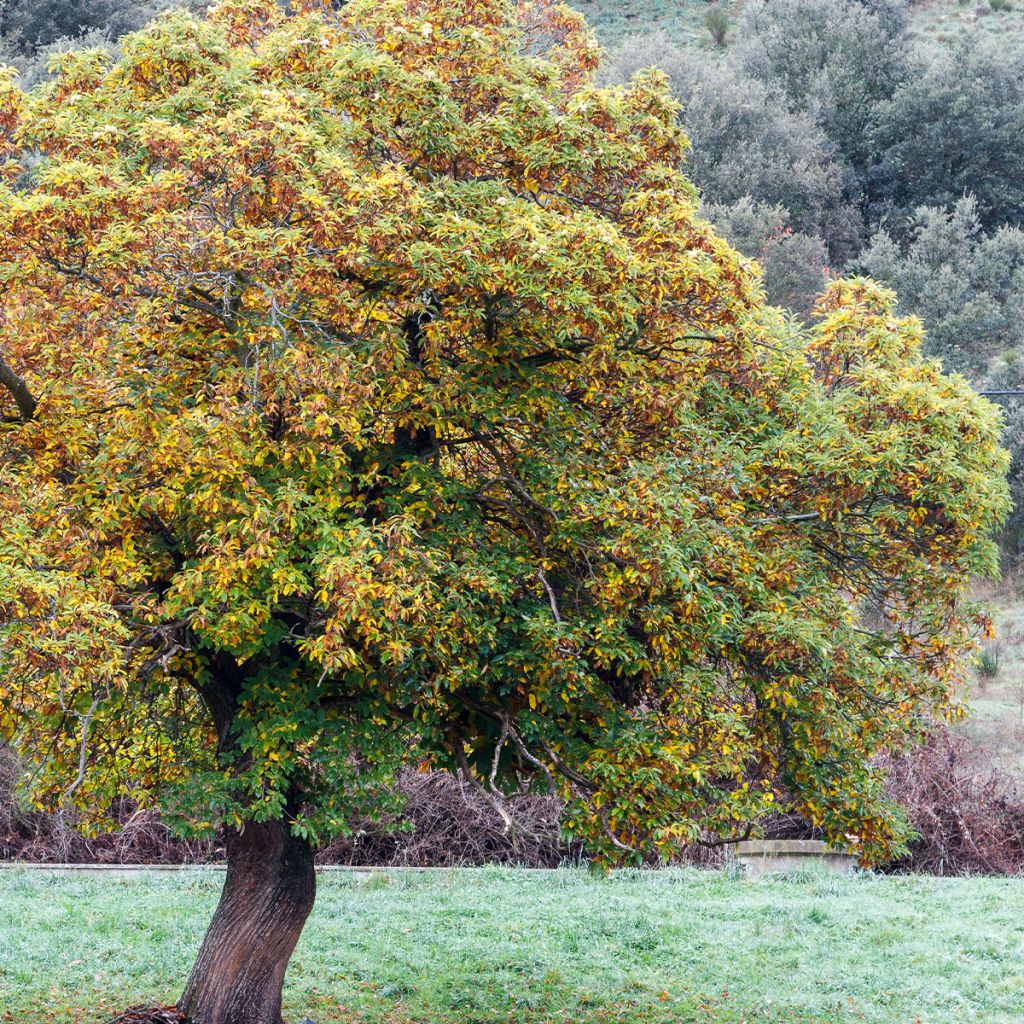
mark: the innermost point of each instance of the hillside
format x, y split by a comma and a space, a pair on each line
683, 20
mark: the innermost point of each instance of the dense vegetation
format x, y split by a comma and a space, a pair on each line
832, 134
868, 136
373, 393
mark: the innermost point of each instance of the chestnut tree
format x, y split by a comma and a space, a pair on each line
371, 392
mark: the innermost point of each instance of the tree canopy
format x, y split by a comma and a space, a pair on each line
382, 374
372, 392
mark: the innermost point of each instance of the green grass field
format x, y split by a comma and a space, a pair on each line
490, 946
995, 724
681, 20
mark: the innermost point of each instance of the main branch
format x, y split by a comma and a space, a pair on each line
23, 398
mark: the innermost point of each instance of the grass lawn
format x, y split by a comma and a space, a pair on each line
482, 947
996, 722
681, 20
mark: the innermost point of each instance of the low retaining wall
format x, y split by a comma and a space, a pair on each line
768, 856
771, 856
128, 870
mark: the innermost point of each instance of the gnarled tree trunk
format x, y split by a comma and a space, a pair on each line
268, 894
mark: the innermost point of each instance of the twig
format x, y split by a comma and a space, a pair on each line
82, 752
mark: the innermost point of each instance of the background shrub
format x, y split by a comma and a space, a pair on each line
717, 23
746, 143
952, 128
965, 283
795, 264
835, 59
36, 24
968, 814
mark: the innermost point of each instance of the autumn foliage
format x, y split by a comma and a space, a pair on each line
373, 394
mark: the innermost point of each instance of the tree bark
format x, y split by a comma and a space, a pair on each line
268, 894
23, 398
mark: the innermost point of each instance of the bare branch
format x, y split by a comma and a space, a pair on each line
711, 844
492, 798
82, 751
551, 595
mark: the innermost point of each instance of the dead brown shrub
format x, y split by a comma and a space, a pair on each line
446, 823
54, 838
968, 812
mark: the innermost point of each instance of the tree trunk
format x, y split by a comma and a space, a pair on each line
268, 894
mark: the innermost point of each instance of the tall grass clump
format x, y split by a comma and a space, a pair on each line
716, 21
990, 661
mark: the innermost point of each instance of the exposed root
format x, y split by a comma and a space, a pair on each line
150, 1015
